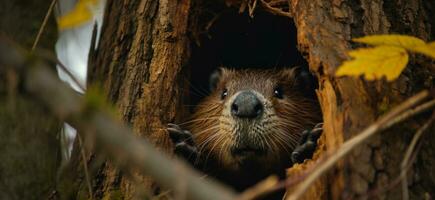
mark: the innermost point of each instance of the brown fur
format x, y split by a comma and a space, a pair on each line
215, 131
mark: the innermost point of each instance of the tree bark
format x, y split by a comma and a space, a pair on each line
139, 62
351, 104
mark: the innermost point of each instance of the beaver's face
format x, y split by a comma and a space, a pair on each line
256, 117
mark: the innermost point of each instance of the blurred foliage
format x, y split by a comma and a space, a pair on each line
29, 145
95, 99
20, 20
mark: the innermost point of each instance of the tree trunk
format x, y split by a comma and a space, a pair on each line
351, 104
141, 63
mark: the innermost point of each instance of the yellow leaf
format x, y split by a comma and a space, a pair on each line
81, 14
404, 41
374, 63
427, 49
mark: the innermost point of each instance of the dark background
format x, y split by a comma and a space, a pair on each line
239, 41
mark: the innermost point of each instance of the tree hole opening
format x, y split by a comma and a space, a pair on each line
236, 40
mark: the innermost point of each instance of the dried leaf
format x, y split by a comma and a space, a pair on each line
388, 58
404, 41
427, 49
374, 63
81, 14
408, 42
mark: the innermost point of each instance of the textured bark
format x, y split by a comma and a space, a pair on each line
350, 104
139, 62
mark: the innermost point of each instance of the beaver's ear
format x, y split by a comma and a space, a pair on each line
304, 81
214, 78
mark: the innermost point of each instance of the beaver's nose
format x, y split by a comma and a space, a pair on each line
246, 105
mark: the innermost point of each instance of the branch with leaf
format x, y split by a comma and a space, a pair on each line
388, 58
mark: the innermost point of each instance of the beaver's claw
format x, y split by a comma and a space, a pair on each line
307, 144
183, 141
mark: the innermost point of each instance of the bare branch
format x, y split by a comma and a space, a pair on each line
50, 56
251, 7
406, 160
117, 140
398, 114
260, 188
44, 22
85, 166
273, 10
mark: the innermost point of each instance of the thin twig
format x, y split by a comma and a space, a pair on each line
48, 55
379, 125
212, 21
411, 112
378, 191
73, 78
53, 58
278, 2
44, 23
263, 189
251, 7
273, 10
259, 189
85, 166
405, 163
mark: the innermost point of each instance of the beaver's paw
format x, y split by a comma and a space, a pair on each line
307, 144
183, 141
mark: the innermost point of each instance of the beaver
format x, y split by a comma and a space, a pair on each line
254, 123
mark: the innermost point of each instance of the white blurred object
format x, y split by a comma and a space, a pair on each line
67, 140
72, 49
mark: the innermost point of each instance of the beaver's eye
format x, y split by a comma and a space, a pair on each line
224, 93
278, 93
